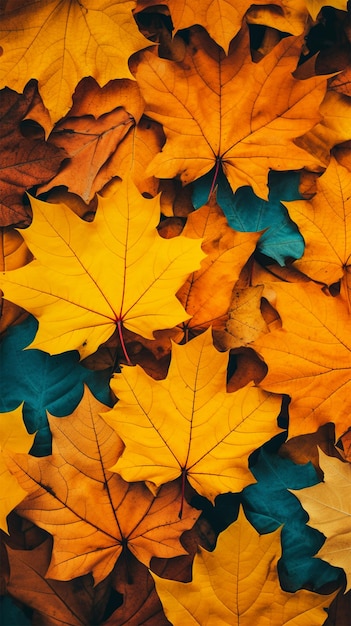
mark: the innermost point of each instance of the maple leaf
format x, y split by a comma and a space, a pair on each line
56, 602
24, 161
329, 510
64, 489
216, 431
207, 292
91, 132
308, 357
249, 593
88, 278
14, 437
325, 223
59, 43
211, 93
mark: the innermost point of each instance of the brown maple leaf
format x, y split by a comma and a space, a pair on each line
24, 161
91, 131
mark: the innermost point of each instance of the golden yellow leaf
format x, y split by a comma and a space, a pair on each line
89, 278
59, 42
188, 424
13, 437
229, 110
92, 513
328, 505
314, 6
309, 357
237, 584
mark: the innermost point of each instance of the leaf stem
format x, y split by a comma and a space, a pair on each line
180, 514
215, 176
123, 345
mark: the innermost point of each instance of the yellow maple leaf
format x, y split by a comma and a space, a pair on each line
13, 437
188, 424
59, 42
308, 357
237, 584
328, 505
90, 277
228, 110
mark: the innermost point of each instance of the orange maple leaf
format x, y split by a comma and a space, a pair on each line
228, 110
309, 357
325, 224
92, 513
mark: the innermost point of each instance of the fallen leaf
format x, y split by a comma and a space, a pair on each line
24, 161
59, 43
314, 6
56, 602
245, 322
225, 89
141, 604
216, 430
91, 131
249, 592
325, 222
64, 489
329, 510
89, 278
309, 357
13, 437
207, 292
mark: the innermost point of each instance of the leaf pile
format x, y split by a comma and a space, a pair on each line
175, 347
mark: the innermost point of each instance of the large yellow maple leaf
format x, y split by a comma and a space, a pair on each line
59, 42
325, 224
309, 357
91, 512
237, 584
188, 424
14, 437
90, 277
328, 505
228, 110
